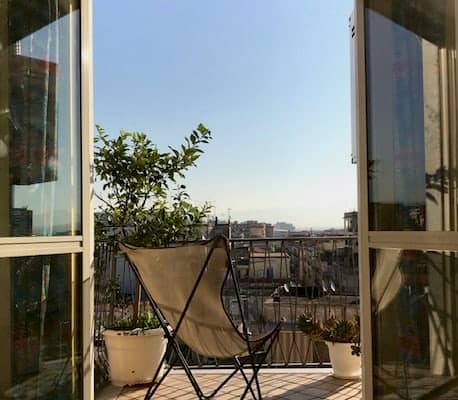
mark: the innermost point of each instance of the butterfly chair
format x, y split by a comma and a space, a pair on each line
185, 286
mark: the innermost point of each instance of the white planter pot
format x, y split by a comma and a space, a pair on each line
344, 364
134, 359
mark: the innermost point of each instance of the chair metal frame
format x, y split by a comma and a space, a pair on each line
254, 358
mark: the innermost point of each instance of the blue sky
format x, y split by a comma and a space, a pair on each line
270, 78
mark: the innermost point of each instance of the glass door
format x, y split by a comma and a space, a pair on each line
44, 254
408, 197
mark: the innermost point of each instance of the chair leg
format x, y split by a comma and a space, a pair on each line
173, 346
201, 396
223, 383
153, 387
258, 386
187, 369
247, 381
248, 387
256, 367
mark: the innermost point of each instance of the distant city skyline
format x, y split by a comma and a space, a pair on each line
270, 79
223, 218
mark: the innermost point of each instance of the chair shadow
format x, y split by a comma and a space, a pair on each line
335, 385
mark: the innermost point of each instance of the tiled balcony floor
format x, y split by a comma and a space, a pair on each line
285, 384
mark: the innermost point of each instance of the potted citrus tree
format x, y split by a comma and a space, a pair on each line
143, 201
343, 340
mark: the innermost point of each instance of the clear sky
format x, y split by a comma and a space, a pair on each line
270, 78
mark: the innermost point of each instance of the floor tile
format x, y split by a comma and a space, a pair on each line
278, 385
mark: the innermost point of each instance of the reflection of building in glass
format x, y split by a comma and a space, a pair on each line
21, 222
32, 119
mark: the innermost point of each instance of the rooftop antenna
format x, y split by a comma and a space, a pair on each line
229, 222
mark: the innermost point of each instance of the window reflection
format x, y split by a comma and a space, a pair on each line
40, 122
41, 355
411, 117
414, 292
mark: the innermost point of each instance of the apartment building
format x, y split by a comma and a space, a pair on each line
252, 229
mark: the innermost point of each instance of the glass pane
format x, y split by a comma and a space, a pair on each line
39, 118
411, 89
40, 356
414, 303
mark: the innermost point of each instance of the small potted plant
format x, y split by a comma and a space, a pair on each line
343, 340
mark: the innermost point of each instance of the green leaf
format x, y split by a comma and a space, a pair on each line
136, 178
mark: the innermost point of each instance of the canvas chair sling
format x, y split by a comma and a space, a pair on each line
184, 285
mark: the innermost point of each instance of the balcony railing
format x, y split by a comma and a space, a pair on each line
278, 277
